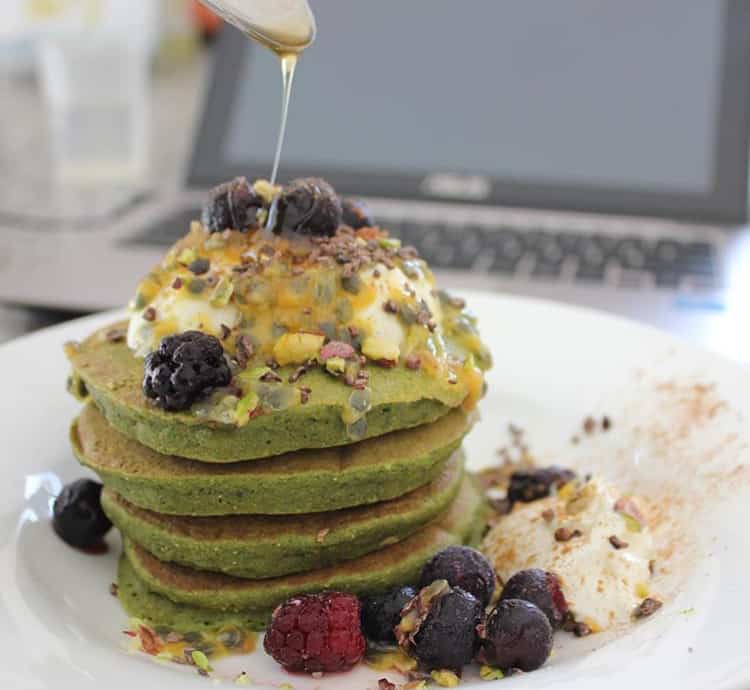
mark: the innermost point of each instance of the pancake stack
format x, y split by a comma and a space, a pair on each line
326, 479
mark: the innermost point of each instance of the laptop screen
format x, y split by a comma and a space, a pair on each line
638, 107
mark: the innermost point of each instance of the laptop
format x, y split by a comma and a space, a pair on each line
593, 153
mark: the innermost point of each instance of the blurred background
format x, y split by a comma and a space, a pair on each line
590, 152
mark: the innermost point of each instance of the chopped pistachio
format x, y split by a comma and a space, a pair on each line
201, 660
297, 348
187, 256
389, 243
336, 365
374, 347
445, 679
641, 590
249, 375
631, 523
215, 241
490, 673
244, 407
222, 293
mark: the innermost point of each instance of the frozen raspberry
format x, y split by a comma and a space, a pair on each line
316, 633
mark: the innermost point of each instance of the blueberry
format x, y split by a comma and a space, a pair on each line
184, 369
231, 205
438, 627
355, 214
463, 567
537, 483
77, 515
516, 634
308, 206
382, 613
541, 588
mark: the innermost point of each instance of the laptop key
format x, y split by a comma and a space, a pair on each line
546, 269
589, 273
667, 279
505, 265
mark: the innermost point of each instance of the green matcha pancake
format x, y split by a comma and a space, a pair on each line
377, 571
261, 546
395, 398
157, 611
302, 482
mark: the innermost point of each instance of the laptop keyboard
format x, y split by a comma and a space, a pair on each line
539, 254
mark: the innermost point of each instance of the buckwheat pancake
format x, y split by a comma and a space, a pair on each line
399, 398
377, 571
261, 546
301, 482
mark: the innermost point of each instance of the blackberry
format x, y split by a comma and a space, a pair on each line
438, 627
516, 634
382, 613
537, 483
541, 588
77, 514
463, 567
308, 206
231, 205
355, 214
185, 368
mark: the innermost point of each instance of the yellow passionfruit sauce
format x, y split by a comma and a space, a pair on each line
285, 290
178, 647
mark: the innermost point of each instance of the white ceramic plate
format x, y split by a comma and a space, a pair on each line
680, 435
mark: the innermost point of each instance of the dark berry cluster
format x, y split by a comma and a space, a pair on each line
185, 368
444, 626
306, 206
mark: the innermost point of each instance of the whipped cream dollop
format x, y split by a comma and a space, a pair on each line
592, 538
384, 330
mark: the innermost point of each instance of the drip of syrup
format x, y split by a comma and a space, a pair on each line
288, 65
285, 27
